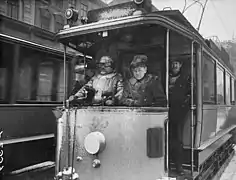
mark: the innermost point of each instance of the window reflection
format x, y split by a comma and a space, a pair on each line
220, 85
208, 80
3, 76
25, 75
227, 88
44, 91
232, 90
60, 85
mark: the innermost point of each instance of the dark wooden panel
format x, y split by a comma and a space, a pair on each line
17, 122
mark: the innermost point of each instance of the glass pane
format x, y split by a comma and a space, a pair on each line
232, 89
3, 76
60, 86
220, 86
227, 86
25, 73
208, 80
45, 83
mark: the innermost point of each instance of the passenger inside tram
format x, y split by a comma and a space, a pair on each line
117, 57
142, 89
106, 86
179, 101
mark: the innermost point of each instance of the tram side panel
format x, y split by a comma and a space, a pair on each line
134, 147
21, 125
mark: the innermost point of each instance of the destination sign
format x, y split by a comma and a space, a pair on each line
113, 12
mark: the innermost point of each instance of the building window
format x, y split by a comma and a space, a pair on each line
220, 86
208, 80
59, 3
45, 17
26, 13
227, 88
45, 78
13, 9
83, 10
59, 22
72, 3
232, 91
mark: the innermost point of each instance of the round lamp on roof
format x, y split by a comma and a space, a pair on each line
71, 14
138, 1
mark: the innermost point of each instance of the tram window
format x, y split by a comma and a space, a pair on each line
220, 86
232, 91
208, 80
3, 77
60, 85
25, 77
44, 91
227, 88
6, 59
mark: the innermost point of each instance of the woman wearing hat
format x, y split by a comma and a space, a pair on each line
142, 89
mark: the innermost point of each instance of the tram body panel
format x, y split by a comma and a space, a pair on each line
30, 121
126, 153
226, 116
209, 122
27, 130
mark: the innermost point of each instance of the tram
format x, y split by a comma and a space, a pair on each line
119, 142
31, 85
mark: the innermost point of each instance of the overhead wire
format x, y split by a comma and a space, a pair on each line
219, 17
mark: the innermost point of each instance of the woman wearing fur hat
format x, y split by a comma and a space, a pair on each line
142, 89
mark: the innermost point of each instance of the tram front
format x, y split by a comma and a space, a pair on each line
114, 126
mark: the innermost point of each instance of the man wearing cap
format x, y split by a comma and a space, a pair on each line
106, 83
179, 100
142, 89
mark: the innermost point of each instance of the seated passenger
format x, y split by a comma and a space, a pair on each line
142, 89
106, 83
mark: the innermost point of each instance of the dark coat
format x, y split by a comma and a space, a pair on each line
180, 99
146, 92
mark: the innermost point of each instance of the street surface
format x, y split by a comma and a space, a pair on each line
230, 171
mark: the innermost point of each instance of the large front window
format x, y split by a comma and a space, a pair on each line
128, 67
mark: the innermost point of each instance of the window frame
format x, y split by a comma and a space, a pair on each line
209, 59
83, 9
72, 3
223, 71
10, 5
44, 18
232, 90
227, 100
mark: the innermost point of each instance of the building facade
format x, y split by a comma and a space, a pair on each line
45, 14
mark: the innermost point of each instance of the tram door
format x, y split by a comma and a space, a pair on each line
182, 73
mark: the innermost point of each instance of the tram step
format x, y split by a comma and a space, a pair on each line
36, 167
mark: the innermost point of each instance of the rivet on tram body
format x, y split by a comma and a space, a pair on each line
96, 163
79, 158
